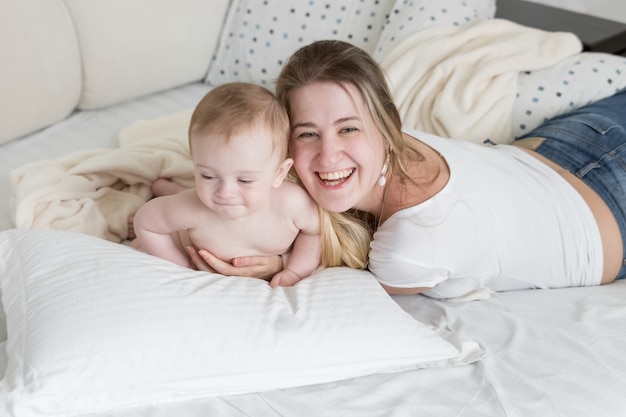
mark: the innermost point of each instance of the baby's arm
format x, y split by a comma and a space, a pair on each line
157, 220
302, 262
307, 247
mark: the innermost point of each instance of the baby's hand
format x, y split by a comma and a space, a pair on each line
284, 278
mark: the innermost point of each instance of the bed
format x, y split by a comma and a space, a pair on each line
92, 327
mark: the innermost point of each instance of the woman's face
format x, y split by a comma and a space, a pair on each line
338, 152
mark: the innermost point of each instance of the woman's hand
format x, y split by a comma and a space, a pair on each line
264, 267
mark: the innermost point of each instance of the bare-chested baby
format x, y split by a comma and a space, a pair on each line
241, 204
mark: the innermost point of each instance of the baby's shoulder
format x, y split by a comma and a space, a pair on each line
292, 195
295, 190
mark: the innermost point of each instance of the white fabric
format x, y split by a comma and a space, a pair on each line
550, 353
40, 70
259, 36
504, 220
86, 130
409, 17
94, 191
132, 48
461, 81
96, 326
564, 87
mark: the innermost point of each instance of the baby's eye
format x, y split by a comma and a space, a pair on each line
245, 181
207, 177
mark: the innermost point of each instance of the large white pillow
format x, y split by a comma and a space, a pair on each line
259, 36
95, 326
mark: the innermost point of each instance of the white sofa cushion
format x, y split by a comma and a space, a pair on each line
132, 48
40, 66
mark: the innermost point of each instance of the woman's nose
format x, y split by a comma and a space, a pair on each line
330, 150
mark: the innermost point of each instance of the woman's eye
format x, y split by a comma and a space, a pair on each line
348, 129
306, 135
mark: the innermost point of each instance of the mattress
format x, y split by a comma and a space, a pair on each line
547, 352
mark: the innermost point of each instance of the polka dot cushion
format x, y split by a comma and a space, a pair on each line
259, 35
410, 16
572, 83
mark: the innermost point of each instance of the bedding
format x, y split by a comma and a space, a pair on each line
96, 191
86, 130
538, 352
460, 82
117, 328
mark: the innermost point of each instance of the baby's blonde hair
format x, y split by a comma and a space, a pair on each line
230, 108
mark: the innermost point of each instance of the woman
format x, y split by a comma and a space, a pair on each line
450, 216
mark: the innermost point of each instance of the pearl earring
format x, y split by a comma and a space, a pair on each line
382, 180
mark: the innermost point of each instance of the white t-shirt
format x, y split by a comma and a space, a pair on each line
504, 221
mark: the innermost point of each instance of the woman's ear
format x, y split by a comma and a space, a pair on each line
281, 172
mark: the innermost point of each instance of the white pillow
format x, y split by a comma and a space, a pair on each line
572, 83
95, 326
259, 36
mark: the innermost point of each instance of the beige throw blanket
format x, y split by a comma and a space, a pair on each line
95, 191
461, 81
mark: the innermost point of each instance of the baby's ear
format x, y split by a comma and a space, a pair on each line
281, 172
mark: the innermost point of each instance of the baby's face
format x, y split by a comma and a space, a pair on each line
235, 176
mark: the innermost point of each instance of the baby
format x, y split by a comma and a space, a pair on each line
241, 204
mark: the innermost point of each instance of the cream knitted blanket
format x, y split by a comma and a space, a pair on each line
95, 191
461, 81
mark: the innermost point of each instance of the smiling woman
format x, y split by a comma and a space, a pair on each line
454, 217
322, 137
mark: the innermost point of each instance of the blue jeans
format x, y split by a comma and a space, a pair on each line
590, 142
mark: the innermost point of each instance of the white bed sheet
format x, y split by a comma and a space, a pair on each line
549, 352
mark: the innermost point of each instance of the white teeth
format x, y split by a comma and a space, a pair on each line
330, 176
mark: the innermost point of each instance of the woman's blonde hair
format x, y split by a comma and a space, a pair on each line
345, 64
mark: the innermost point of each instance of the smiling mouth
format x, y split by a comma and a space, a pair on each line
332, 179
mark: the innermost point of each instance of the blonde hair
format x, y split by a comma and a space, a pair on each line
345, 64
230, 108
